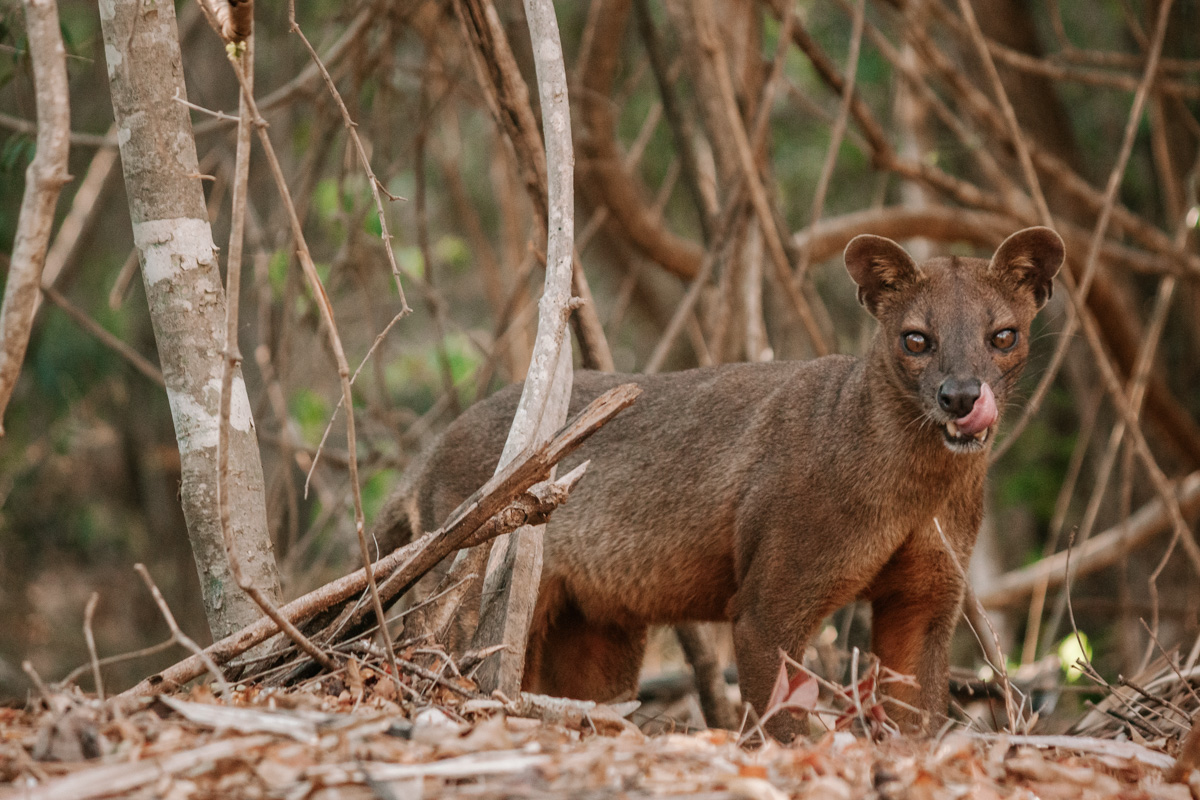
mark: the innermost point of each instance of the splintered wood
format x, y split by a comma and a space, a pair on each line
344, 737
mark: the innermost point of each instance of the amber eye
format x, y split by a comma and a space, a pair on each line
1005, 339
915, 342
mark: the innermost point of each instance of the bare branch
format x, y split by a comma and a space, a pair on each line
90, 637
125, 351
1102, 550
602, 164
352, 131
182, 638
835, 137
331, 331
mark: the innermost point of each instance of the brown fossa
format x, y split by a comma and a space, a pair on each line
769, 495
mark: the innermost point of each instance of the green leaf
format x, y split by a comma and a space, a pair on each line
17, 152
277, 271
311, 413
453, 251
1072, 649
326, 200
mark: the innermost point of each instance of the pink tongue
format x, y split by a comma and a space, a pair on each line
982, 415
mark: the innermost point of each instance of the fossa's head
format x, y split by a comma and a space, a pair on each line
956, 330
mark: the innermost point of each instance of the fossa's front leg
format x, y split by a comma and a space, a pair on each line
780, 608
915, 603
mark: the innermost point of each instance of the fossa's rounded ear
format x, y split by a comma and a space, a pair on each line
878, 266
1031, 258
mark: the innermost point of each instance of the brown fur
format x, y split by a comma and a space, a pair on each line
769, 495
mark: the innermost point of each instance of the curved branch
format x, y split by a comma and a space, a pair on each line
1102, 550
508, 99
941, 223
603, 165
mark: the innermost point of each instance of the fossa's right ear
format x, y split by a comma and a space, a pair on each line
878, 266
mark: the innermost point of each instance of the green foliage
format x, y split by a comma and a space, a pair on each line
13, 40
327, 201
64, 365
410, 259
1071, 650
16, 153
376, 490
415, 377
277, 270
1040, 457
372, 225
311, 413
453, 251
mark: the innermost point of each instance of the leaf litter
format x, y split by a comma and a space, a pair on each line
351, 735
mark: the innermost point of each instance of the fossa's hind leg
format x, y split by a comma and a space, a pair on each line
571, 657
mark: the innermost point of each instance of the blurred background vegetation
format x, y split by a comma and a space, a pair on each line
89, 469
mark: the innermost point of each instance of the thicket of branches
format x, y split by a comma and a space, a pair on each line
725, 154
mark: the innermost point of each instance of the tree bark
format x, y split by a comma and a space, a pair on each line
187, 304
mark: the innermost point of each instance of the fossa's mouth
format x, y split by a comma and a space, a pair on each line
959, 441
969, 433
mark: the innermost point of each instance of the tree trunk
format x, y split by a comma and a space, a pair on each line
187, 303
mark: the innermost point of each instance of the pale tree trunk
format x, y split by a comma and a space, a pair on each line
187, 303
515, 567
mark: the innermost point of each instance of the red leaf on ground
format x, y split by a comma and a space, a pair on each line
798, 693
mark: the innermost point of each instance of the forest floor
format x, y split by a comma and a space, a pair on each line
347, 736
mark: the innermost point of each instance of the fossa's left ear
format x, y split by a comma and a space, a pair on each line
1031, 258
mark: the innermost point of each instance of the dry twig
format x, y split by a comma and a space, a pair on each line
182, 638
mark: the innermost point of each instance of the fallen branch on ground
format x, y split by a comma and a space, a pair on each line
411, 562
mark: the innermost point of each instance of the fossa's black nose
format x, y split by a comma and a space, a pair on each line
957, 396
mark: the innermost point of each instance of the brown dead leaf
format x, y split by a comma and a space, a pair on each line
754, 789
385, 688
73, 736
354, 679
491, 734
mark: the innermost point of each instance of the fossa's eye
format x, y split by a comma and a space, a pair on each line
1005, 339
916, 343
